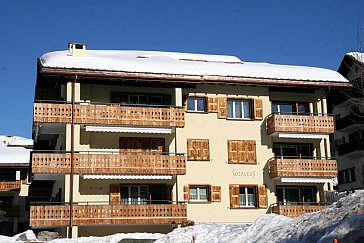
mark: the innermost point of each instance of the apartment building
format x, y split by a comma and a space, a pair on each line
14, 169
349, 119
129, 141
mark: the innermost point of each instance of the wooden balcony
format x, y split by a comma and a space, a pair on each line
108, 214
11, 212
109, 114
9, 185
302, 168
296, 210
127, 163
299, 124
351, 147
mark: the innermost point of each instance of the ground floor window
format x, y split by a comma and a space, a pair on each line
296, 195
199, 193
145, 194
247, 196
346, 176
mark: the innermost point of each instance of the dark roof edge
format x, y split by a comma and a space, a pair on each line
192, 79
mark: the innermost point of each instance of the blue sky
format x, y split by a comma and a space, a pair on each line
308, 33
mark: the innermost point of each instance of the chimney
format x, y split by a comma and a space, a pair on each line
76, 49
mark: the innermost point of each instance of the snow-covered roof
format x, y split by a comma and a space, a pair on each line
15, 141
153, 62
14, 155
357, 56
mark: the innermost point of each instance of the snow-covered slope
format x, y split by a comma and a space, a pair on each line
343, 220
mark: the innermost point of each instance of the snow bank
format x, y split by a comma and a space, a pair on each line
343, 220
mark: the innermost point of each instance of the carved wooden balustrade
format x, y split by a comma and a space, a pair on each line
109, 114
296, 210
59, 215
9, 185
299, 123
123, 163
302, 167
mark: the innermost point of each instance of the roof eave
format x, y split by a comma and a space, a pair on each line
192, 79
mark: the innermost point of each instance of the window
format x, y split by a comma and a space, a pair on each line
247, 196
199, 193
295, 195
346, 176
239, 109
288, 107
196, 104
140, 99
134, 194
293, 151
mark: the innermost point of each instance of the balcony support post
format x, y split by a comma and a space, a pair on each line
72, 155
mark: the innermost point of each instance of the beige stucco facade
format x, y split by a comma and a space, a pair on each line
143, 151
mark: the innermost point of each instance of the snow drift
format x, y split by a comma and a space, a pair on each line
343, 220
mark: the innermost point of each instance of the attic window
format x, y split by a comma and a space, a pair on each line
79, 46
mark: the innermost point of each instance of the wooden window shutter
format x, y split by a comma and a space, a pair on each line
198, 149
169, 192
215, 193
258, 109
186, 193
212, 104
185, 106
242, 152
234, 196
251, 157
232, 152
263, 197
222, 107
114, 194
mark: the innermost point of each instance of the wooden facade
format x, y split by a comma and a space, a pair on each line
128, 163
302, 167
299, 123
59, 215
9, 185
296, 210
111, 114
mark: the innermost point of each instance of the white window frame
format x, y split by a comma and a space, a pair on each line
199, 194
195, 104
246, 200
242, 101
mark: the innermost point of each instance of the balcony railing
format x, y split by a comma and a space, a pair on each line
353, 146
300, 123
11, 212
109, 163
109, 114
304, 167
9, 185
296, 210
350, 120
59, 215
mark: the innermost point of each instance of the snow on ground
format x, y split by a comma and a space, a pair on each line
343, 220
